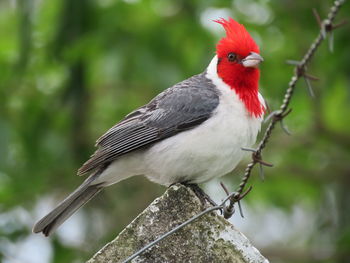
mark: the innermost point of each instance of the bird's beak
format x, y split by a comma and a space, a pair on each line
252, 60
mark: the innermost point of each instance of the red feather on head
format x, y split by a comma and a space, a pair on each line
237, 39
243, 80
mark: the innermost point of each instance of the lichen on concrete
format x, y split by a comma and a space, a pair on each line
211, 238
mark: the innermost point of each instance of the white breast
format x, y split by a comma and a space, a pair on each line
210, 150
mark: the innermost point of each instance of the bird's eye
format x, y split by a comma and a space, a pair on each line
231, 57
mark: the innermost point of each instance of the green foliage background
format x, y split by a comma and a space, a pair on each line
71, 69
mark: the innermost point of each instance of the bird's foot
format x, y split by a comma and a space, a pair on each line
203, 197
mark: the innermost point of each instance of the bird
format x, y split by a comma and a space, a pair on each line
191, 132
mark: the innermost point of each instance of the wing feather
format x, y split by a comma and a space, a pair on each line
179, 108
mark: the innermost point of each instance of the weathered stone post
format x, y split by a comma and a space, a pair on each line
209, 239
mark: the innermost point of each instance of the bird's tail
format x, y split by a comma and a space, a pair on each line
67, 207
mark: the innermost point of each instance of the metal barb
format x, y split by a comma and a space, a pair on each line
240, 209
300, 71
311, 77
283, 115
261, 172
309, 87
248, 149
293, 62
272, 114
278, 115
285, 128
319, 22
317, 16
331, 42
268, 110
256, 156
245, 193
236, 197
340, 24
225, 188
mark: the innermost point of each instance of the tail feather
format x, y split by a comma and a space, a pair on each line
66, 208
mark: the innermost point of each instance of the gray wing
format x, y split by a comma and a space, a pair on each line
179, 108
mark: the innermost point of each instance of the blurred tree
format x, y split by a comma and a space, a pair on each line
74, 25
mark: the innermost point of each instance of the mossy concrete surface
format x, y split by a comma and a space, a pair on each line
211, 238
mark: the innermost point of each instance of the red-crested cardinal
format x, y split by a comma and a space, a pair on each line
190, 133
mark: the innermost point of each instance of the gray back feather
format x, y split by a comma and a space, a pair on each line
179, 108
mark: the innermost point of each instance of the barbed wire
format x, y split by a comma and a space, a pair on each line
326, 27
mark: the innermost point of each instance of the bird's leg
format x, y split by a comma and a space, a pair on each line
200, 193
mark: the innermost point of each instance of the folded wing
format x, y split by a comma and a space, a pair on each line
179, 108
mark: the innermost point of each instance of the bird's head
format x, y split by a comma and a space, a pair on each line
238, 61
